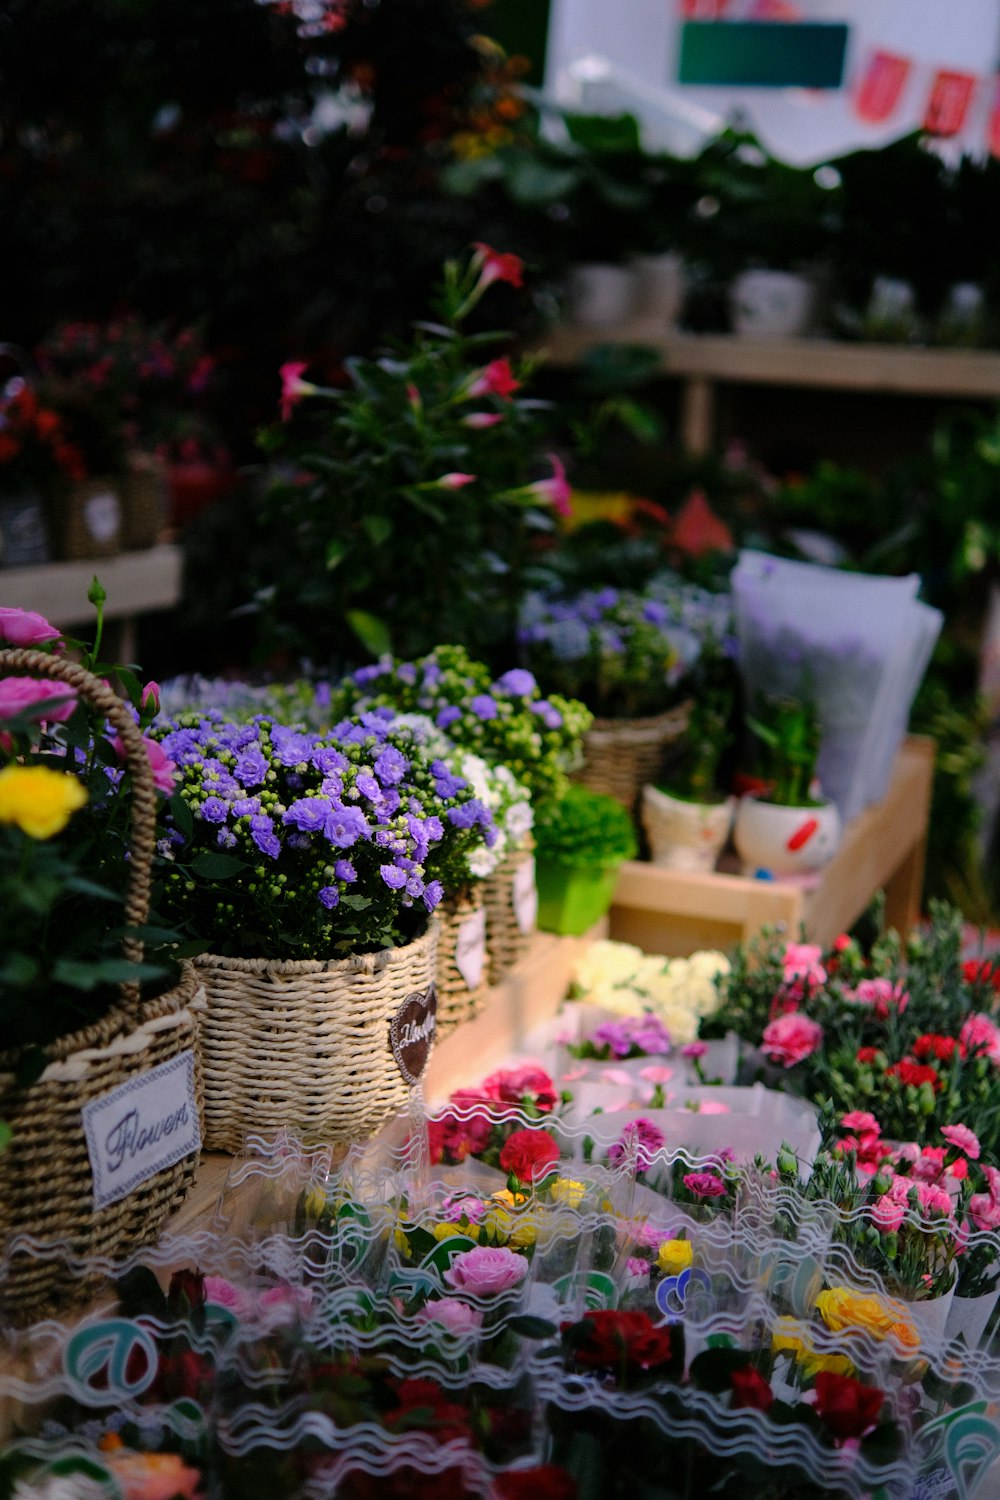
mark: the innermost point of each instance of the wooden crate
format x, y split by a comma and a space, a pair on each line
664, 911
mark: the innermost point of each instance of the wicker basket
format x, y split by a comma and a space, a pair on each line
621, 755
89, 519
511, 915
47, 1186
144, 498
462, 931
306, 1043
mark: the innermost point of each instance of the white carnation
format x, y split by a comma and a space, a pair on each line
607, 962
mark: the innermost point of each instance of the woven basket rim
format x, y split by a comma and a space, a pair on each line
352, 963
677, 715
119, 1019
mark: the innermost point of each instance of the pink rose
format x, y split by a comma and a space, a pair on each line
284, 1305
162, 767
455, 1316
789, 1039
802, 961
486, 1271
980, 1035
879, 995
19, 694
963, 1139
223, 1294
704, 1184
22, 627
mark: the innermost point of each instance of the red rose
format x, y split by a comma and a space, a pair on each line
529, 1155
913, 1074
605, 1339
848, 1407
546, 1482
751, 1390
932, 1044
424, 1405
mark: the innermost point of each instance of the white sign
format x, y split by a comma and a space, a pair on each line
140, 1128
102, 516
525, 896
470, 948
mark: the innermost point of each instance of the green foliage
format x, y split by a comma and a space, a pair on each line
584, 828
786, 744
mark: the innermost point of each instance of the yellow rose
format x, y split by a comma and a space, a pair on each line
568, 1192
813, 1364
38, 800
674, 1256
788, 1337
844, 1310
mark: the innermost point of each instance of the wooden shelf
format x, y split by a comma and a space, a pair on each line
664, 911
702, 361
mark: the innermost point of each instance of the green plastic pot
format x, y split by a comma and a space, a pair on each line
571, 898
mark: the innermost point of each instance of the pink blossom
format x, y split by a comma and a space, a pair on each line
860, 1119
963, 1139
802, 961
992, 1175
984, 1211
879, 995
480, 421
162, 767
573, 1075
656, 1073
643, 1138
888, 1213
454, 481
459, 1205
22, 627
980, 1035
525, 1081
18, 695
224, 1294
293, 387
486, 1270
280, 1306
637, 1267
618, 1077
704, 1184
929, 1166
933, 1199
713, 1107
495, 265
694, 1049
454, 1315
495, 379
789, 1039
555, 491
150, 698
909, 1151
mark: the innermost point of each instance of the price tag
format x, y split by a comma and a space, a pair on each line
525, 896
138, 1129
470, 948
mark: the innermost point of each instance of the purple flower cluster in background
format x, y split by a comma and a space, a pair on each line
632, 1036
638, 1142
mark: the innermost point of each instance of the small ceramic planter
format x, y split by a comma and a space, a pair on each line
685, 835
601, 295
785, 840
771, 304
660, 286
571, 898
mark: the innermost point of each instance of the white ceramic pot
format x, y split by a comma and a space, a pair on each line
771, 304
660, 285
685, 835
785, 840
601, 295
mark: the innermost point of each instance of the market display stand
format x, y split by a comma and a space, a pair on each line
703, 362
136, 583
663, 911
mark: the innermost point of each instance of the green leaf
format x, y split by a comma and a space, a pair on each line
210, 866
181, 814
18, 970
372, 632
336, 551
130, 683
604, 132
379, 529
532, 1328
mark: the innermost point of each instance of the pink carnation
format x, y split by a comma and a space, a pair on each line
933, 1199
984, 1211
527, 1083
802, 961
789, 1039
888, 1213
456, 1316
656, 1073
992, 1175
704, 1184
879, 996
980, 1035
860, 1120
963, 1139
486, 1271
22, 627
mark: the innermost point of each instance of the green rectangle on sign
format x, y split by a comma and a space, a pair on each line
764, 54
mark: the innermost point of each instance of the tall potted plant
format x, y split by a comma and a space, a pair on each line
789, 828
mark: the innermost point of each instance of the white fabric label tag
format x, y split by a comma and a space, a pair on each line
470, 948
525, 896
143, 1126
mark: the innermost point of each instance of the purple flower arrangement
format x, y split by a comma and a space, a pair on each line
627, 1036
507, 721
625, 653
282, 843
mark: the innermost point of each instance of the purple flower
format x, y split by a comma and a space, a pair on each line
344, 870
432, 673
447, 786
448, 716
550, 717
395, 879
655, 612
226, 838
245, 807
407, 673
327, 761
391, 766
484, 707
463, 816
414, 886
434, 829
368, 786
289, 747
308, 814
641, 1137
251, 767
214, 810
345, 825
263, 835
433, 894
367, 674
518, 682
328, 896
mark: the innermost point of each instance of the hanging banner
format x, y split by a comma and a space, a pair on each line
881, 86
948, 105
994, 125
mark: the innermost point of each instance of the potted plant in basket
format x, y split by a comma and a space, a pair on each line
686, 816
581, 841
311, 865
82, 1015
38, 463
788, 828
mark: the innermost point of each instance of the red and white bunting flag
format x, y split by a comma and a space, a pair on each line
881, 86
948, 105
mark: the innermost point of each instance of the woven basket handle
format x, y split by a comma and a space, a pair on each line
142, 823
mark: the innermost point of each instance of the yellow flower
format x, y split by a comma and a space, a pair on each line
38, 800
448, 1231
813, 1364
567, 1191
402, 1244
314, 1203
674, 1256
843, 1310
788, 1337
